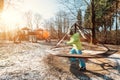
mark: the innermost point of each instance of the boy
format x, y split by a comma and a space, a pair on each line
77, 47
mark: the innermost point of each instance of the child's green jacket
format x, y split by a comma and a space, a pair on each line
75, 41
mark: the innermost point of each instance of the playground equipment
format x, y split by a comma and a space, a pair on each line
31, 35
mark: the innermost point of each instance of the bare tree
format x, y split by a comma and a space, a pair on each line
16, 4
62, 23
52, 30
66, 22
37, 19
59, 24
29, 19
72, 6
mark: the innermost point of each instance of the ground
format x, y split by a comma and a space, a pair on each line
35, 61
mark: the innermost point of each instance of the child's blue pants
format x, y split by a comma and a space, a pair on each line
81, 61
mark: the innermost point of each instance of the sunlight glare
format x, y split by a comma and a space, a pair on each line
10, 17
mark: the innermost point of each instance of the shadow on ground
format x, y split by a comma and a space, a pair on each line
108, 53
90, 73
79, 74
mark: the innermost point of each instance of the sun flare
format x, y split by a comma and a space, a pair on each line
10, 18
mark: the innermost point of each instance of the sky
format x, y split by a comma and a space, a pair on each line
13, 14
47, 8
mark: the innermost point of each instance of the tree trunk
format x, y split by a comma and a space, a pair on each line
105, 33
116, 22
93, 22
